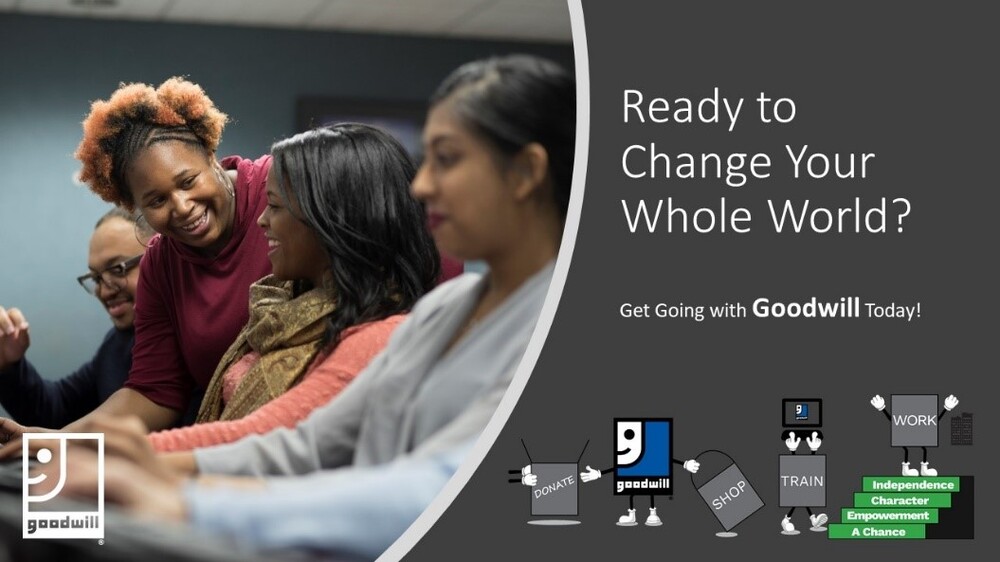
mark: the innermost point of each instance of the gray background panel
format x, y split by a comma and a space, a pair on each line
912, 82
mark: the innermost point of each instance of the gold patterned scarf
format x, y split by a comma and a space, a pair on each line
286, 331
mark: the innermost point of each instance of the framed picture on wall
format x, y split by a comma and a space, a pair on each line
403, 120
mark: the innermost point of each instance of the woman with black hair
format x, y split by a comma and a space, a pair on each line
350, 253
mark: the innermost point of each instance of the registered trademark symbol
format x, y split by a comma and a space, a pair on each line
100, 542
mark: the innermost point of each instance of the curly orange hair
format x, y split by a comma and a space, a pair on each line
135, 117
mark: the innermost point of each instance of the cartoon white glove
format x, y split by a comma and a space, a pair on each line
692, 466
591, 474
878, 402
814, 442
527, 478
792, 442
950, 402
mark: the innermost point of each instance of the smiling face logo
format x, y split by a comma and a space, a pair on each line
44, 477
628, 442
643, 455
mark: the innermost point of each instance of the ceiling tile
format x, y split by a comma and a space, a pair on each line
123, 9
415, 16
283, 13
542, 21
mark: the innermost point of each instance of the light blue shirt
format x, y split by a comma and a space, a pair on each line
354, 512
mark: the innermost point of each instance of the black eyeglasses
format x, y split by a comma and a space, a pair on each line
112, 277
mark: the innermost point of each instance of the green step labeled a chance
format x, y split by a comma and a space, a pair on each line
860, 532
855, 515
936, 484
866, 500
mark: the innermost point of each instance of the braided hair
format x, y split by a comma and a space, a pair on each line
136, 117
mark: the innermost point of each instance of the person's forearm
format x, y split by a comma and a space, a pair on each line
182, 462
129, 402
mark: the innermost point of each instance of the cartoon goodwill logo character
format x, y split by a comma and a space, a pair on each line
643, 459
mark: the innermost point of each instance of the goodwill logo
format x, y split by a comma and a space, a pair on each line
44, 516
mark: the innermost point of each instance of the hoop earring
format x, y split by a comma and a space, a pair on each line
143, 232
226, 181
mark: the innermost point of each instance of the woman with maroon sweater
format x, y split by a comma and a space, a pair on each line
153, 150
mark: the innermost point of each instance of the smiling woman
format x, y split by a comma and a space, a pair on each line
153, 150
294, 248
183, 193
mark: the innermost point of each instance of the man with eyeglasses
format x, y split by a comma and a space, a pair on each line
115, 251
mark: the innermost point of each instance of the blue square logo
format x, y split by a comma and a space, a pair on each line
802, 411
643, 456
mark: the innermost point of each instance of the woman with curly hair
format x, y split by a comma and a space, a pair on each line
153, 151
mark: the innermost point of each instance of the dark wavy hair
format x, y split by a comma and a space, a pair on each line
352, 186
515, 100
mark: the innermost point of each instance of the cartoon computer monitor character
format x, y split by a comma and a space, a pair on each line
802, 477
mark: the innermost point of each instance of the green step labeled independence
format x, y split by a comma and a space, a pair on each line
866, 500
861, 532
937, 484
852, 515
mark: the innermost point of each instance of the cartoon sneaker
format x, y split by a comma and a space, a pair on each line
787, 528
653, 520
926, 470
818, 521
907, 471
627, 520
